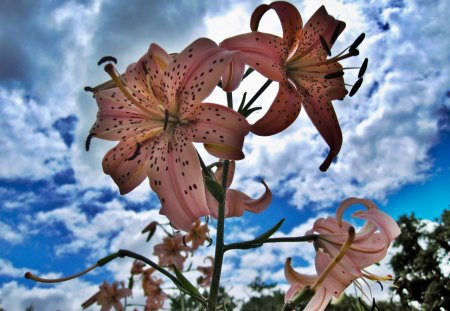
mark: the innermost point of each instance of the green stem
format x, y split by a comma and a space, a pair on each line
260, 91
218, 258
230, 100
250, 244
173, 278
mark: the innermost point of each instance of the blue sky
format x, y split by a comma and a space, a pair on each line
59, 212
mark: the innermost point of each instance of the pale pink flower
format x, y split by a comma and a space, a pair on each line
198, 234
207, 271
172, 251
137, 267
371, 241
109, 296
298, 61
152, 289
339, 262
156, 112
236, 201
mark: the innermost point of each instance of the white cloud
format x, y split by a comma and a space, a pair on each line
63, 296
10, 234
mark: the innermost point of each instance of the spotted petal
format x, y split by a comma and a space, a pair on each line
127, 165
282, 113
193, 75
320, 24
290, 19
324, 118
118, 118
221, 129
156, 61
264, 52
175, 175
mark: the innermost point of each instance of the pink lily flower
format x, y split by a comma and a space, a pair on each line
371, 241
237, 202
152, 289
170, 251
156, 112
108, 296
340, 261
298, 61
207, 271
332, 285
198, 234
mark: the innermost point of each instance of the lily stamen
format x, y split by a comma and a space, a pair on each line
335, 261
105, 59
109, 68
30, 276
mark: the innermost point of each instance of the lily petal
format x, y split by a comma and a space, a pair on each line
175, 175
156, 61
232, 76
264, 52
238, 201
281, 114
118, 119
219, 173
388, 226
127, 169
293, 277
320, 24
322, 115
193, 75
290, 19
221, 129
320, 300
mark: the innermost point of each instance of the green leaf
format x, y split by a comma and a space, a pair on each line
263, 237
191, 289
215, 189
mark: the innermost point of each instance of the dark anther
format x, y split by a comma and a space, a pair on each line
354, 52
109, 68
355, 87
325, 45
334, 75
89, 89
357, 42
381, 285
210, 243
87, 144
184, 241
105, 59
336, 33
363, 68
166, 118
136, 152
396, 279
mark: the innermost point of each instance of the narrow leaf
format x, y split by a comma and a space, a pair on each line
215, 189
185, 283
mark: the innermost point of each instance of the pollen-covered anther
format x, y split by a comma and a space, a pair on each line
105, 59
357, 42
334, 75
87, 143
90, 89
363, 68
325, 45
356, 87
